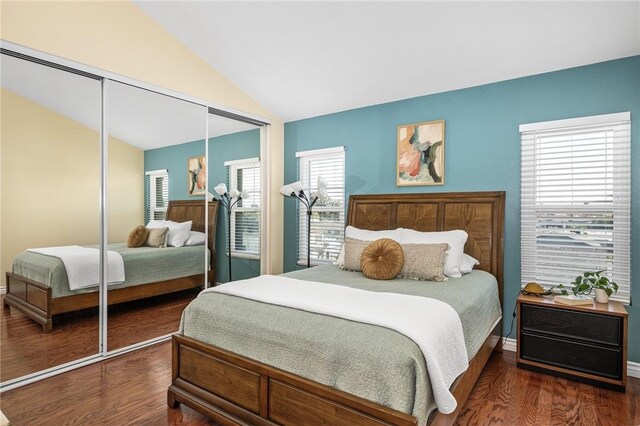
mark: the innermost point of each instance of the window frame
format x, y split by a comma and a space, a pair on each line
305, 159
232, 179
595, 206
152, 208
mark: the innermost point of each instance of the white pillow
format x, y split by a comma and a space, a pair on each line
195, 238
178, 231
366, 235
456, 240
467, 264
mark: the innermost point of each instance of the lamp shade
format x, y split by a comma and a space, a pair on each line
245, 195
234, 193
210, 196
296, 186
221, 189
287, 191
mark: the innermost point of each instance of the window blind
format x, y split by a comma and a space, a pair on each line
324, 167
157, 190
244, 175
575, 214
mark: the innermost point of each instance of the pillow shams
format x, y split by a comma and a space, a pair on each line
195, 238
424, 261
467, 264
178, 231
366, 235
456, 240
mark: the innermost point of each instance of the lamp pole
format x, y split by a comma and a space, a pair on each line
229, 199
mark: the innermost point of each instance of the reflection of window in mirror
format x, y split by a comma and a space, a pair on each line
157, 182
244, 175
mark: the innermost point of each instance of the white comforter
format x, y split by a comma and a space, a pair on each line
83, 265
433, 325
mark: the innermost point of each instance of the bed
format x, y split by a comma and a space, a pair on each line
228, 384
41, 296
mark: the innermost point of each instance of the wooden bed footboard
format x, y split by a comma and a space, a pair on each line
232, 389
34, 299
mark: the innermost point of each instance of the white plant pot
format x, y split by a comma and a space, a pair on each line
601, 296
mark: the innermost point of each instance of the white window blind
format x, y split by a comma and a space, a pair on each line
324, 166
576, 200
157, 183
244, 175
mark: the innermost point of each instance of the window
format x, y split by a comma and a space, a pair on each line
576, 200
325, 168
244, 175
157, 190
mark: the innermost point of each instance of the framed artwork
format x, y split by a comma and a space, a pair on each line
197, 176
420, 154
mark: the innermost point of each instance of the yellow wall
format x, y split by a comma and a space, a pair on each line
50, 186
119, 37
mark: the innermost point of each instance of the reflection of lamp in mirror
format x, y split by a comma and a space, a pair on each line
295, 190
229, 199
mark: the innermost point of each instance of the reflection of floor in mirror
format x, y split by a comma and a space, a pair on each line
25, 349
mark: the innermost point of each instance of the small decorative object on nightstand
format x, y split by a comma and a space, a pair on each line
587, 343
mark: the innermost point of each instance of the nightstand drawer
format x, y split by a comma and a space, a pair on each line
584, 357
595, 328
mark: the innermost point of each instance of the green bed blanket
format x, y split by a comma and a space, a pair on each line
142, 265
372, 362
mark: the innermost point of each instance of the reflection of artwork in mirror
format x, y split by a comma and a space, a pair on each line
197, 168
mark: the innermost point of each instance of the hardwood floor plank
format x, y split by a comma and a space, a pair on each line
131, 390
25, 349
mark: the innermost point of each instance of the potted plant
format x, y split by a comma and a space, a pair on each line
585, 283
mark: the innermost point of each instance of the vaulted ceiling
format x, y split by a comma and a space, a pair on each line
303, 59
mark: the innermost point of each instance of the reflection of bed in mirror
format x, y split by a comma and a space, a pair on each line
41, 301
294, 366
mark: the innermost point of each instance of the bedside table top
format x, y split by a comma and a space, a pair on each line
611, 308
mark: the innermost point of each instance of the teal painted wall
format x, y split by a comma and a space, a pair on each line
174, 159
482, 151
236, 146
224, 148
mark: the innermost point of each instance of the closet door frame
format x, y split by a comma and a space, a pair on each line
104, 77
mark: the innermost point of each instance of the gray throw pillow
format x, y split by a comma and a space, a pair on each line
157, 237
424, 261
353, 252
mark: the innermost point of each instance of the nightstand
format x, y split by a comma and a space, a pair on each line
587, 343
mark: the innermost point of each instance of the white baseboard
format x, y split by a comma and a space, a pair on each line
633, 368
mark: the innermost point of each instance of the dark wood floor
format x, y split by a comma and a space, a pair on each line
131, 389
24, 349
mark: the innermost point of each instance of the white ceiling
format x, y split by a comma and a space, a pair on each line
303, 59
141, 118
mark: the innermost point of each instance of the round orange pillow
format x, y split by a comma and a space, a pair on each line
138, 236
383, 259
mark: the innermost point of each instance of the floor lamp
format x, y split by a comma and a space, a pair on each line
295, 190
229, 199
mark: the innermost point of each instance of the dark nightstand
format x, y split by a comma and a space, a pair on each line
586, 343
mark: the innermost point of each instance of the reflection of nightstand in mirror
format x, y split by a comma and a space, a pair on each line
586, 343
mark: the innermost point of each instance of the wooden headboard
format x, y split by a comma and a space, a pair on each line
480, 214
185, 210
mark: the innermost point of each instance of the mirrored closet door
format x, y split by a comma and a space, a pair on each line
235, 166
50, 210
158, 247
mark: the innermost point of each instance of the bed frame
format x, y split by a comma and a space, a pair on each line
35, 300
233, 389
